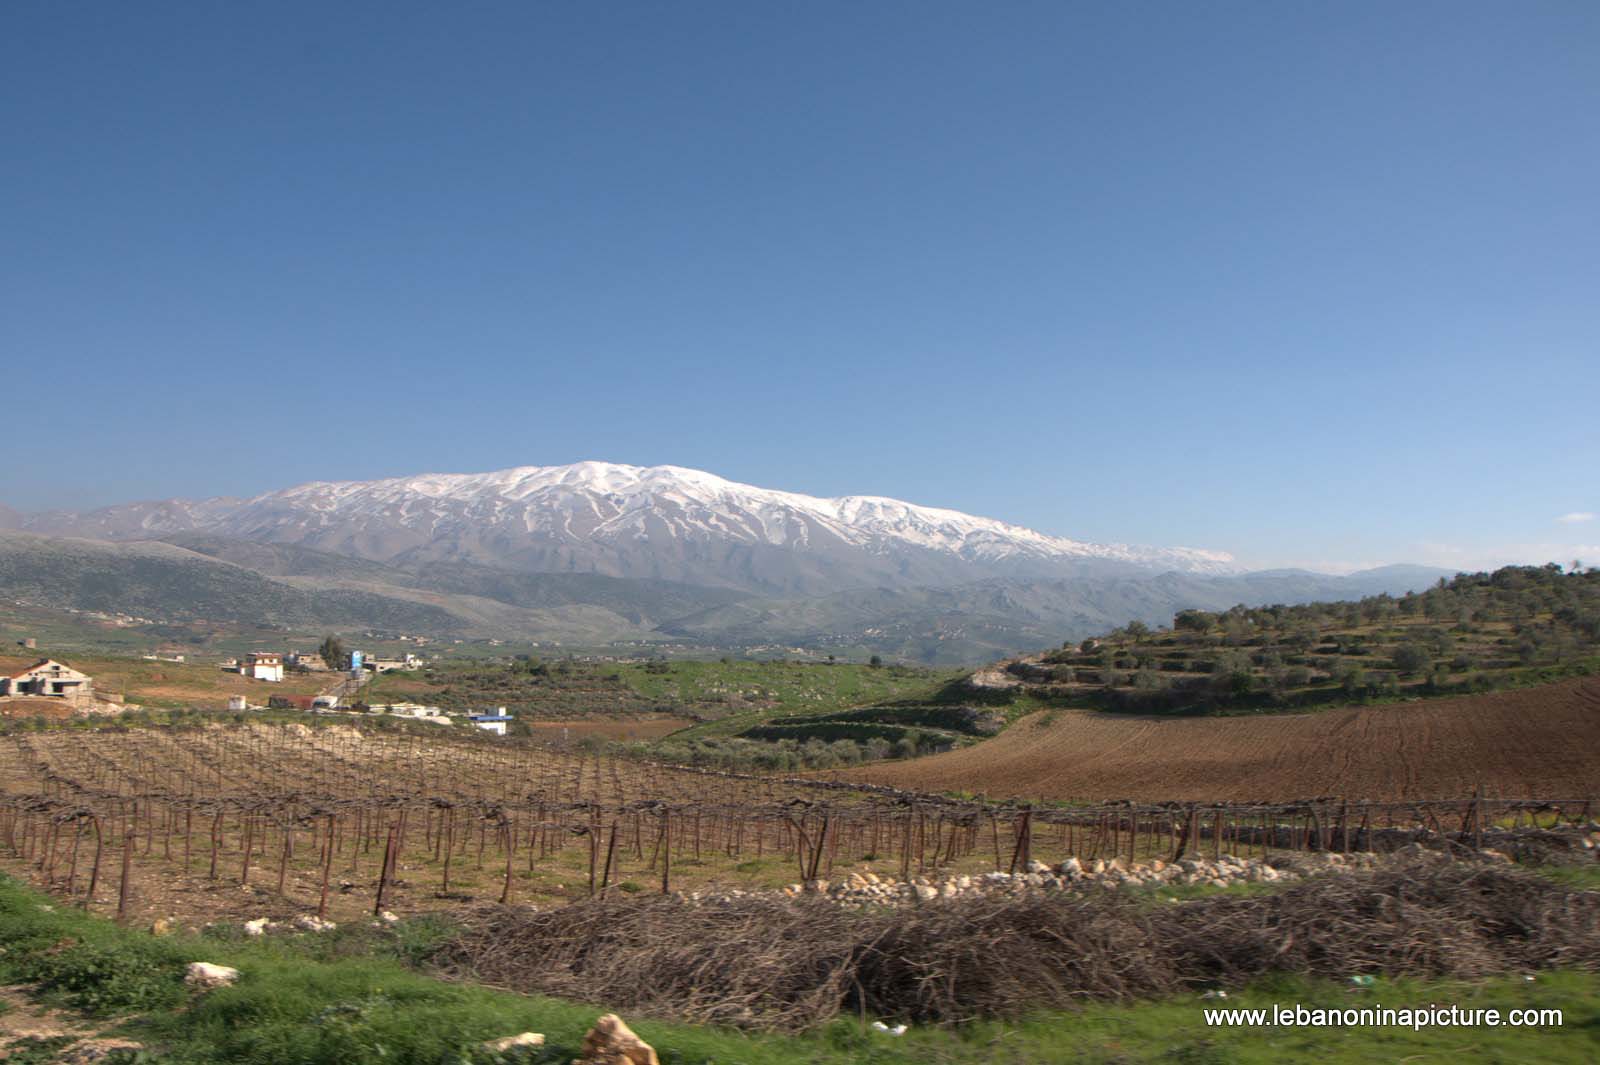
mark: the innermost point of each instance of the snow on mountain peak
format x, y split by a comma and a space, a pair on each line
602, 500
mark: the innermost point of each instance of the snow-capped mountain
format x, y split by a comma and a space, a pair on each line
664, 522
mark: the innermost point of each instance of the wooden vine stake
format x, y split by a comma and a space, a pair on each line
127, 868
511, 853
327, 867
386, 871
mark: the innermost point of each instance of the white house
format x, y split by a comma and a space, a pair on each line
415, 711
263, 665
51, 678
495, 723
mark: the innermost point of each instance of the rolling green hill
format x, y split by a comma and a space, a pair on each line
216, 578
165, 583
990, 619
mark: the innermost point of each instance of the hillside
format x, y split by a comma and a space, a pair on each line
162, 587
989, 619
1518, 626
1538, 743
638, 601
1435, 653
703, 691
1515, 628
164, 582
599, 554
172, 685
222, 580
659, 523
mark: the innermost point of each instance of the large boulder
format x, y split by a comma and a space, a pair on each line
611, 1042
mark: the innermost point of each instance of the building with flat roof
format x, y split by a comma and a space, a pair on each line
262, 665
495, 723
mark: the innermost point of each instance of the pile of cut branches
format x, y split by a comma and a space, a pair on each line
773, 963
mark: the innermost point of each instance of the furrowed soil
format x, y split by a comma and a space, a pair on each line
1534, 743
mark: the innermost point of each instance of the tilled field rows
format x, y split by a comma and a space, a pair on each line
1540, 742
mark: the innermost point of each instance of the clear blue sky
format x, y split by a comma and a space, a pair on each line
1310, 283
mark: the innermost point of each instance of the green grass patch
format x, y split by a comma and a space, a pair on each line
1578, 877
355, 996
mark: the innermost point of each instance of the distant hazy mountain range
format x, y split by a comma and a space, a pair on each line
595, 552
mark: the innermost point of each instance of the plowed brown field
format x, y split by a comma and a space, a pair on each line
1537, 743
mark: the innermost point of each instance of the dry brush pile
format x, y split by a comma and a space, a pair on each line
766, 963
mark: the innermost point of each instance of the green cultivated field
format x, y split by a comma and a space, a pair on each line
707, 691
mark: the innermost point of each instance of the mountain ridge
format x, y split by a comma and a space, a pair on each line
602, 553
659, 522
244, 583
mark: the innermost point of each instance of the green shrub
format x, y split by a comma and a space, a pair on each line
112, 979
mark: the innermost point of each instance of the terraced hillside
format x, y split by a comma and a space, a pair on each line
1517, 627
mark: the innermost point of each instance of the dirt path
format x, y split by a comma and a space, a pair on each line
22, 1020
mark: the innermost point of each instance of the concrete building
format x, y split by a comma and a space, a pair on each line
495, 723
49, 678
407, 661
416, 712
262, 665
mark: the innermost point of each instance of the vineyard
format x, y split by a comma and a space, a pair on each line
219, 823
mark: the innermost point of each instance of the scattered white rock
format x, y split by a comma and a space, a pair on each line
93, 1051
204, 975
859, 889
515, 1042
